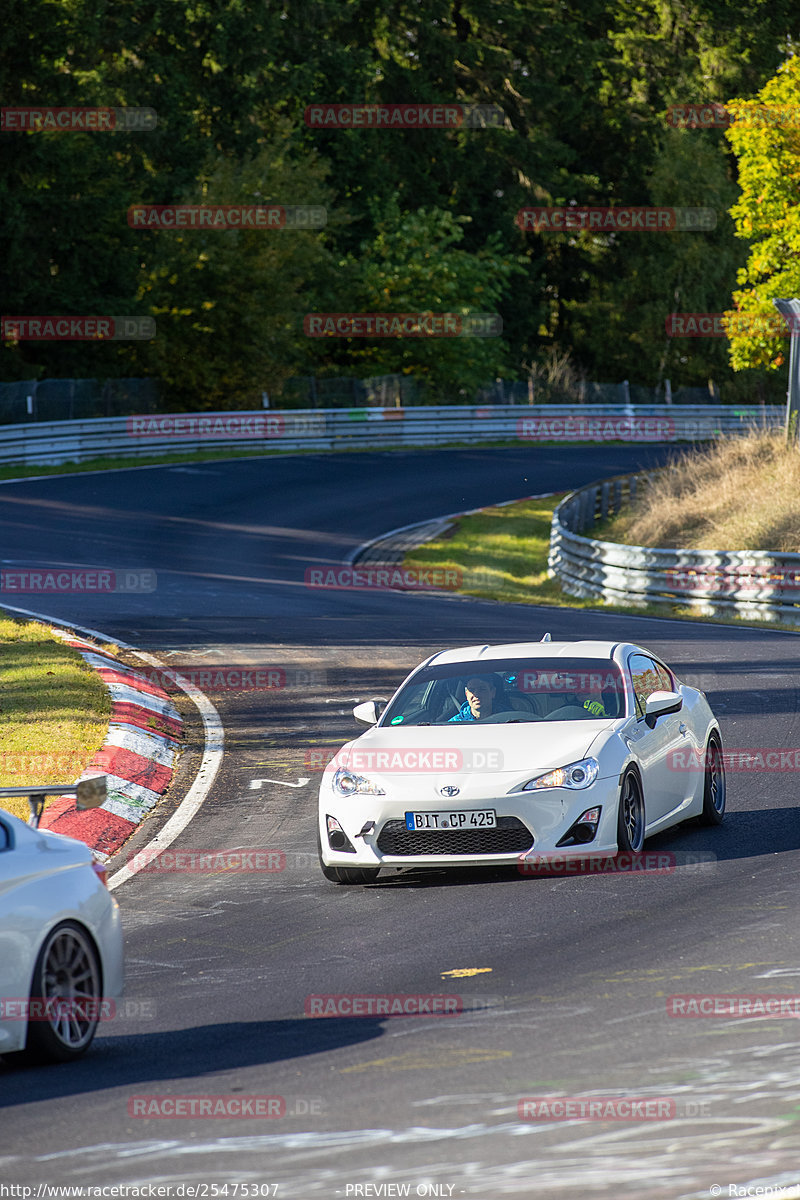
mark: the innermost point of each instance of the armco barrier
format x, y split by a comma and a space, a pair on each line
333, 429
749, 583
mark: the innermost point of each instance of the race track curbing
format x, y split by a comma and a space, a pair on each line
138, 756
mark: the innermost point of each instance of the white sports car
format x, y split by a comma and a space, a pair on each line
492, 755
61, 959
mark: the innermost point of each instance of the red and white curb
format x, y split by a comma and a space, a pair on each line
138, 756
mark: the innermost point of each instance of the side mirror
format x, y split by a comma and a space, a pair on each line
659, 704
91, 793
369, 712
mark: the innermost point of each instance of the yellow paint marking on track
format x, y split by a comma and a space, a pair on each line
418, 1060
464, 972
651, 974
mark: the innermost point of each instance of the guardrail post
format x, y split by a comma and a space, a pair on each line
604, 495
583, 515
791, 310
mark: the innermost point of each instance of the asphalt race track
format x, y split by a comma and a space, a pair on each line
573, 976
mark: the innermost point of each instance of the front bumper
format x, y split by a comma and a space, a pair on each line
530, 824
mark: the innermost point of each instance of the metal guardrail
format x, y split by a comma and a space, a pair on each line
750, 583
55, 442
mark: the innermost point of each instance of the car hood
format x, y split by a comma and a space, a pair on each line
471, 749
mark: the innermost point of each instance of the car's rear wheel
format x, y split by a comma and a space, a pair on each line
66, 995
630, 815
346, 874
714, 790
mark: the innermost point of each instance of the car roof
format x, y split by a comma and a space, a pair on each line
584, 649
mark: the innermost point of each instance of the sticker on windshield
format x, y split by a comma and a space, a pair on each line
397, 720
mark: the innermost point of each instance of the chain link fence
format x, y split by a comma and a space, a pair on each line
76, 399
402, 391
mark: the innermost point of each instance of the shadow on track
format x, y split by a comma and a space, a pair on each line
146, 1058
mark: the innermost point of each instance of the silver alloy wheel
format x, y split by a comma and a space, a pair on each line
69, 986
633, 812
715, 777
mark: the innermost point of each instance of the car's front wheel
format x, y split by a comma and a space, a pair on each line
66, 997
346, 874
714, 789
630, 816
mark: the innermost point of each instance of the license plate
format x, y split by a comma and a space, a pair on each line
479, 818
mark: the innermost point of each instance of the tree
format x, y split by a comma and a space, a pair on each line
415, 265
765, 137
228, 303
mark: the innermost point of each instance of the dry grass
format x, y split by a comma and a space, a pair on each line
740, 493
54, 710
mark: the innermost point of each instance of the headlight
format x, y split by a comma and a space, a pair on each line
347, 783
575, 776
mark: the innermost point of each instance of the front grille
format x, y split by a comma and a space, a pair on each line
510, 837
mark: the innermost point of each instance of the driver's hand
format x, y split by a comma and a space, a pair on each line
594, 706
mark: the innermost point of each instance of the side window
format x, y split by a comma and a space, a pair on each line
645, 679
5, 839
666, 678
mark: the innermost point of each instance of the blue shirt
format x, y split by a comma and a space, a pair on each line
463, 714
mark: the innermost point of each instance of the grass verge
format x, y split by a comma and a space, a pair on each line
54, 710
502, 554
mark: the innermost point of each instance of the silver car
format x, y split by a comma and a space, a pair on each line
61, 956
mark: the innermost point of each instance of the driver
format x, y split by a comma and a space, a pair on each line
480, 699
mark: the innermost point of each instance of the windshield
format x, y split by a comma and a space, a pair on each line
510, 690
